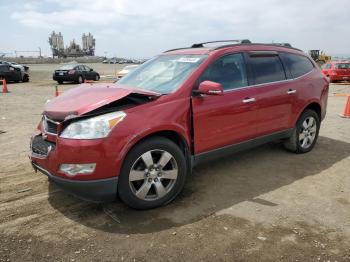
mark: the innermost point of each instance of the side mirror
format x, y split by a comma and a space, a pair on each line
210, 88
91, 69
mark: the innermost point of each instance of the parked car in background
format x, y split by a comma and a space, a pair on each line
337, 71
22, 67
140, 137
112, 60
126, 70
13, 74
77, 73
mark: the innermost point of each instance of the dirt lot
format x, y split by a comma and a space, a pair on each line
260, 205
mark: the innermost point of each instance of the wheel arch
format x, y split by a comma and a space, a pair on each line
313, 105
173, 135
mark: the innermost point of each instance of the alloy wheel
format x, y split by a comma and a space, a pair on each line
307, 132
153, 175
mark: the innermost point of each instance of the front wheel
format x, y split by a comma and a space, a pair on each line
305, 133
153, 174
25, 78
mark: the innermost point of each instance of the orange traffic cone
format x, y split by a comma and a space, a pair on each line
4, 86
56, 91
347, 109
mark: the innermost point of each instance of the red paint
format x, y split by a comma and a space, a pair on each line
205, 122
335, 74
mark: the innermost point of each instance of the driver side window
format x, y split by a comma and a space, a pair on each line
229, 71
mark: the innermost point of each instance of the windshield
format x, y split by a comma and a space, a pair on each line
67, 67
163, 74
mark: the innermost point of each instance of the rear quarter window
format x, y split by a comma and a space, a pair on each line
298, 65
267, 69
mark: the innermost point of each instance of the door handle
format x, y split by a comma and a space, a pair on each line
249, 100
291, 91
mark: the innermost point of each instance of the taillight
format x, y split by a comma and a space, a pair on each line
71, 72
333, 72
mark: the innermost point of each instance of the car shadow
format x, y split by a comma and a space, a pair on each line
213, 186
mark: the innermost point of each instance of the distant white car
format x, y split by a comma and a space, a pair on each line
126, 70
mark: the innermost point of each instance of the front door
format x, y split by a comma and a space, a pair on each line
221, 120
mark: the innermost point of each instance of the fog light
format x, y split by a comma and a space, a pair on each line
74, 169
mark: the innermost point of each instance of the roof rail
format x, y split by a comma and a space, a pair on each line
243, 41
236, 42
282, 44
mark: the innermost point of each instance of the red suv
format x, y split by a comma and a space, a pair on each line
140, 137
337, 71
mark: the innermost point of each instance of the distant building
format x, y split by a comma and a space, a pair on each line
56, 43
88, 44
73, 50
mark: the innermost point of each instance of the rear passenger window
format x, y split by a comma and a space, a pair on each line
267, 69
298, 65
229, 71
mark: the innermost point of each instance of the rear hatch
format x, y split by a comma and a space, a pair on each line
342, 69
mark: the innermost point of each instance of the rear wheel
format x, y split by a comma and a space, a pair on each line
305, 133
153, 174
80, 80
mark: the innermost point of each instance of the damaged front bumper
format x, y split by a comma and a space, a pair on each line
102, 190
45, 158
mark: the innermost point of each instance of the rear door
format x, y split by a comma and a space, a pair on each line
221, 120
88, 74
274, 94
305, 80
80, 71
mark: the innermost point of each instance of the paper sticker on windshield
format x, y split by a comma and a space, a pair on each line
188, 59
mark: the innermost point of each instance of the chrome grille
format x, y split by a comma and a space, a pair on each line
50, 126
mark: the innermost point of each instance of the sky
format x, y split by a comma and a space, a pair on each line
144, 28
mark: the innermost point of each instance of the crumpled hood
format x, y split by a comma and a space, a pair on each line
85, 98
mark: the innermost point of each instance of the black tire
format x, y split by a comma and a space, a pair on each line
60, 82
125, 191
294, 144
25, 78
97, 77
80, 79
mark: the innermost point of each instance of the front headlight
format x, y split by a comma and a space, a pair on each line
94, 127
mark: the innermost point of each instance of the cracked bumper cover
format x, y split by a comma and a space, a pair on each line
101, 190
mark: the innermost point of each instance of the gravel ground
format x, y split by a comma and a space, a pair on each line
264, 204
